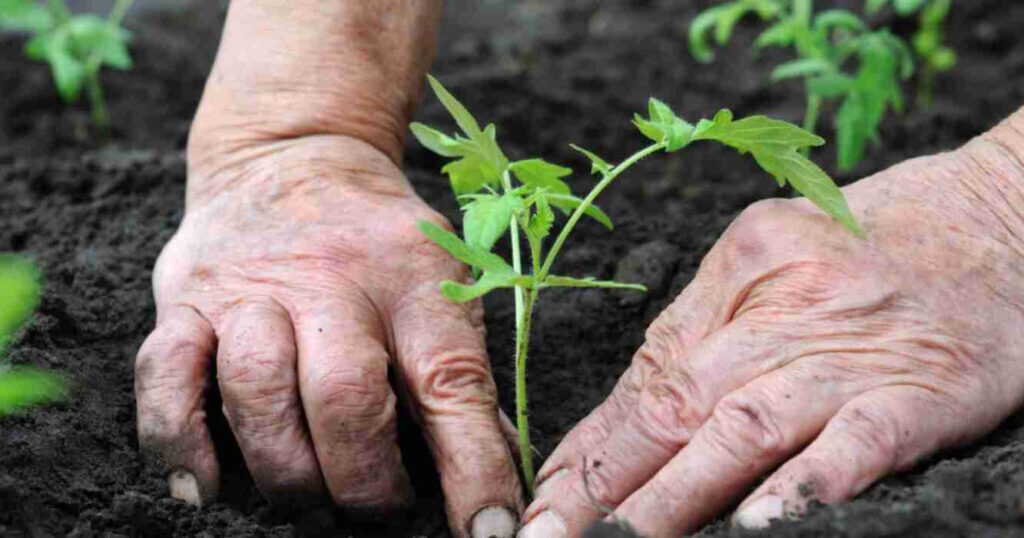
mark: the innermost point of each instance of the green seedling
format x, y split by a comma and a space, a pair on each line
502, 197
19, 293
75, 46
837, 57
928, 41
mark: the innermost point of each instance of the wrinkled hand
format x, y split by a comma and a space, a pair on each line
299, 271
820, 359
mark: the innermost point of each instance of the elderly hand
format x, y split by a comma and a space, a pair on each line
303, 275
820, 359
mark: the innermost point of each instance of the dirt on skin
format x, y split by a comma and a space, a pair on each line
95, 212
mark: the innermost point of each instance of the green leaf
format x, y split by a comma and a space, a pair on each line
488, 282
543, 218
726, 21
569, 203
25, 15
804, 67
540, 174
487, 217
700, 27
775, 146
555, 281
471, 173
907, 7
463, 118
830, 85
68, 71
19, 294
780, 34
435, 140
663, 126
24, 387
831, 19
98, 39
597, 164
874, 6
474, 257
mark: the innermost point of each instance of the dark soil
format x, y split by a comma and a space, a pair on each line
95, 212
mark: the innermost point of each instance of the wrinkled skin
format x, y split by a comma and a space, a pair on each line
301, 275
819, 359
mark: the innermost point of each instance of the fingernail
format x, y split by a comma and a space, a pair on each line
546, 525
493, 522
184, 487
760, 513
549, 481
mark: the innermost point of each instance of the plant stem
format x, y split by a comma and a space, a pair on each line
811, 114
588, 201
523, 322
118, 11
100, 117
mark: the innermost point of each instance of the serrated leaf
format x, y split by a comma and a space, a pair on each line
663, 126
470, 174
25, 16
24, 387
540, 174
569, 203
597, 164
435, 140
555, 281
486, 219
543, 218
474, 257
19, 294
775, 146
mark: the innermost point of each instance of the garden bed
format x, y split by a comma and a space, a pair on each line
94, 213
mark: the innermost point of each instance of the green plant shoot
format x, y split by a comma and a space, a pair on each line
928, 41
518, 198
19, 294
837, 57
76, 47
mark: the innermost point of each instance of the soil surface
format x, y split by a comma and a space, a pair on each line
95, 212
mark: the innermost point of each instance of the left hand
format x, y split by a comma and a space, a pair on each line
801, 349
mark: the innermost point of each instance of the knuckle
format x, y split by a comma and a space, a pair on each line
822, 478
872, 428
670, 410
594, 484
458, 378
747, 428
352, 391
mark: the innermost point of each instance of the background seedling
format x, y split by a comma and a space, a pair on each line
75, 46
928, 41
517, 198
837, 57
19, 294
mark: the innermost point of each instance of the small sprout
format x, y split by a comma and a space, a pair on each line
928, 40
75, 46
515, 198
21, 387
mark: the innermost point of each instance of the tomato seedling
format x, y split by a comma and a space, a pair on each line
517, 198
19, 294
928, 41
825, 45
76, 47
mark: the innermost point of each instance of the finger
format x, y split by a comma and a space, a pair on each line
749, 432
878, 433
508, 429
349, 405
171, 378
256, 370
665, 416
676, 333
443, 364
